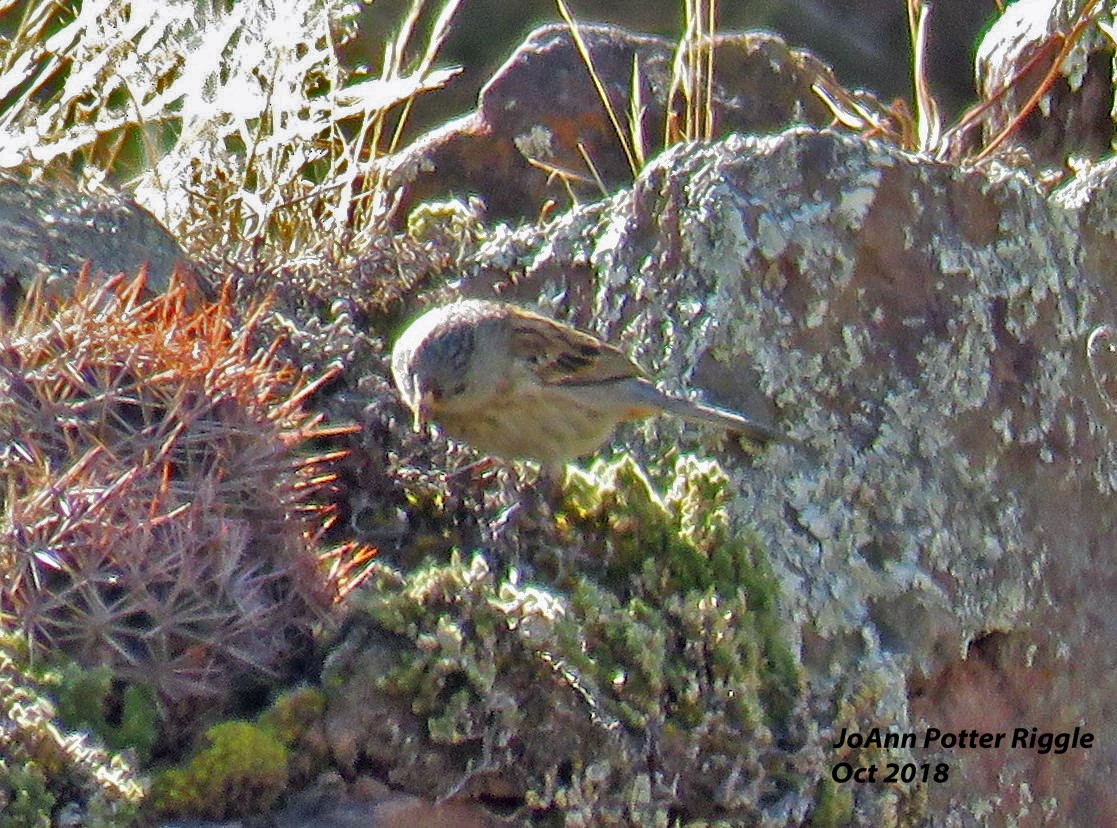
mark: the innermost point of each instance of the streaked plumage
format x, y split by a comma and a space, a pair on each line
516, 384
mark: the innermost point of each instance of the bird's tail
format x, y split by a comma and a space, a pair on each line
722, 418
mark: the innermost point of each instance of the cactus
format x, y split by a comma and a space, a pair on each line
155, 515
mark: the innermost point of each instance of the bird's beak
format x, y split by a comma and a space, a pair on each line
423, 411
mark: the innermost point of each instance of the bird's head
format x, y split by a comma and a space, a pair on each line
435, 367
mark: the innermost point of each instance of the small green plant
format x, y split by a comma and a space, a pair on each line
240, 770
25, 801
833, 806
679, 554
42, 761
124, 718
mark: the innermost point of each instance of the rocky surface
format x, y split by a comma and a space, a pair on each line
539, 114
942, 531
938, 537
50, 230
939, 533
1074, 117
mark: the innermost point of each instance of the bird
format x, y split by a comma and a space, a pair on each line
517, 385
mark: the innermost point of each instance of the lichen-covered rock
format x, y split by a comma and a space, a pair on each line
51, 231
942, 528
1075, 116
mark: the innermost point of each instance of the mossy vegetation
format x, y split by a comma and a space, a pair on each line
641, 641
833, 806
672, 630
678, 552
241, 769
25, 801
46, 760
123, 718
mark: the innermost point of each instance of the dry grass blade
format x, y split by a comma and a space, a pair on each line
692, 76
925, 132
708, 104
929, 129
562, 174
636, 112
1067, 43
363, 195
692, 83
592, 168
866, 117
580, 43
439, 33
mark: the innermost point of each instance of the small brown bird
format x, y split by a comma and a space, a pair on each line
515, 384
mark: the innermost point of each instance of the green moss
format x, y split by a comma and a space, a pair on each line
452, 221
25, 801
127, 719
863, 701
293, 713
679, 554
243, 767
669, 625
296, 717
41, 761
434, 606
241, 770
833, 807
90, 700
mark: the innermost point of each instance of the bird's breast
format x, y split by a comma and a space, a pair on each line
531, 426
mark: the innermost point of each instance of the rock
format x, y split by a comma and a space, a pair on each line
333, 809
1073, 118
52, 230
541, 107
943, 534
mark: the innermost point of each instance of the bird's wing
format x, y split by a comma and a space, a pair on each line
561, 355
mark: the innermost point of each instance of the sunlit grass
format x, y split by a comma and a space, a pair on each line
689, 106
235, 124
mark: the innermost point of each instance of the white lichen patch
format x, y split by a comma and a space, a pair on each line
854, 203
536, 144
960, 363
